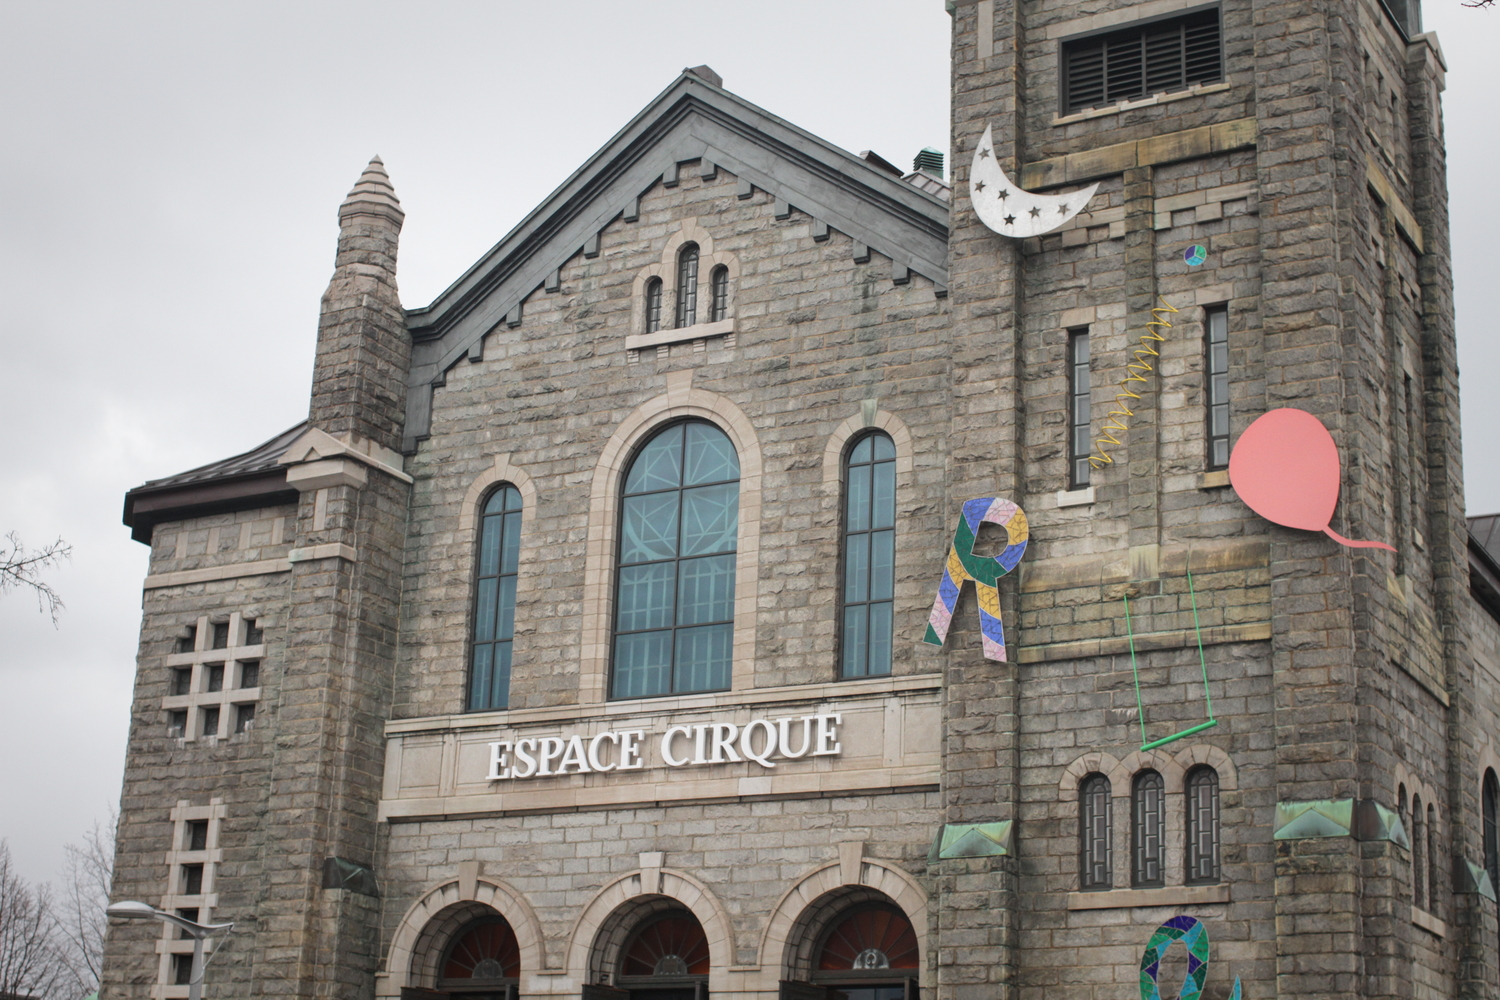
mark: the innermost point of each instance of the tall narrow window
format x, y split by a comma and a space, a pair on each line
1491, 833
687, 286
1418, 855
495, 600
1080, 410
1202, 788
718, 282
679, 520
869, 556
653, 305
1434, 874
1148, 804
1095, 858
1216, 323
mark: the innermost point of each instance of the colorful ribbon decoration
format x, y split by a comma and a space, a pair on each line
964, 565
1194, 936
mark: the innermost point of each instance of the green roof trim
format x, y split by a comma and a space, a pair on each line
973, 840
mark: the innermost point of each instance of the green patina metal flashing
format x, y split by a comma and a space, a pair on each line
973, 840
1362, 819
1478, 880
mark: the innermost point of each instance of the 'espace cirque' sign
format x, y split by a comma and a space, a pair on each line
760, 740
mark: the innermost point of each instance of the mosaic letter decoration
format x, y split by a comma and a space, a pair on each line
964, 565
1194, 936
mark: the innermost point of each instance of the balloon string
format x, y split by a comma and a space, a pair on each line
1135, 371
1353, 544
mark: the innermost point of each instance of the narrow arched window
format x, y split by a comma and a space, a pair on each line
1418, 855
1147, 806
1202, 788
1434, 873
674, 594
1095, 858
653, 305
718, 283
495, 600
869, 570
687, 286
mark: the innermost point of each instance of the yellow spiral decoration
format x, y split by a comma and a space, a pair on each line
1135, 371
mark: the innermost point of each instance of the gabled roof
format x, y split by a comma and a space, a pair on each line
693, 119
250, 479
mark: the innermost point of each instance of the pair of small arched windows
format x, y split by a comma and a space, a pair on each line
675, 568
1148, 830
687, 293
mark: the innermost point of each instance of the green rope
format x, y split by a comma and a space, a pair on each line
1136, 671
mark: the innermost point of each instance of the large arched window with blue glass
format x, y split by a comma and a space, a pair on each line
869, 575
674, 589
495, 600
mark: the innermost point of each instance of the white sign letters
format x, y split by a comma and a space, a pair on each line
761, 740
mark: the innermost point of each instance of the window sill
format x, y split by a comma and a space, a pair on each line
1145, 102
1213, 480
661, 338
1432, 925
1172, 895
1075, 498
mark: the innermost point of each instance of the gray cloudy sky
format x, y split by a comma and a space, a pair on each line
169, 179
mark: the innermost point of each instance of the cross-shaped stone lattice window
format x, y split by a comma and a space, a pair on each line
213, 683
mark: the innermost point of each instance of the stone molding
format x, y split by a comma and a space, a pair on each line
870, 417
1172, 895
447, 897
234, 571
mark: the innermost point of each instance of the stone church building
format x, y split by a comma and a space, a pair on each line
573, 645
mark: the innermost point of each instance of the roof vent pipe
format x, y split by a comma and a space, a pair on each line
929, 161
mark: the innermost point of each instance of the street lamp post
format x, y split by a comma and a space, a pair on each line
132, 910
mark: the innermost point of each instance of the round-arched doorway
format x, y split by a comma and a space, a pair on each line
482, 961
869, 952
665, 958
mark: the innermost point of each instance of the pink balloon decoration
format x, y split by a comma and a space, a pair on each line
1286, 469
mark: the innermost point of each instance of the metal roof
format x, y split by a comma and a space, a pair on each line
261, 458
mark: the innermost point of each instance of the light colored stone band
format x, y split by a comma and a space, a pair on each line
1172, 895
210, 573
332, 550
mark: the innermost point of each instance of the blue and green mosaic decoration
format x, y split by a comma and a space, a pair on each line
963, 565
1194, 936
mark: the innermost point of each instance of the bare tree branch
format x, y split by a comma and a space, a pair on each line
29, 961
1478, 3
79, 915
21, 569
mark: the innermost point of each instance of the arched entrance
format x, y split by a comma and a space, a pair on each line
481, 961
868, 952
665, 958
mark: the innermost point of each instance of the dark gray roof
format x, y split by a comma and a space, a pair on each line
1485, 529
261, 458
932, 185
1484, 561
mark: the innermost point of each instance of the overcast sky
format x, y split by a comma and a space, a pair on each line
169, 181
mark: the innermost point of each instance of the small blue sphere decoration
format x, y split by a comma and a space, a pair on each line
1195, 255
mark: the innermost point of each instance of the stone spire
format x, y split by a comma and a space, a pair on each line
364, 350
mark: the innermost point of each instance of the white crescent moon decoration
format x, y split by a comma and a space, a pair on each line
1010, 211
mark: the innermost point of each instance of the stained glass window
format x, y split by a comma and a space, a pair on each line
679, 522
1148, 803
872, 938
670, 945
1095, 857
687, 285
869, 556
485, 949
495, 600
1202, 826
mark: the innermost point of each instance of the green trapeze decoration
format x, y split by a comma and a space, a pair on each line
1194, 936
1146, 742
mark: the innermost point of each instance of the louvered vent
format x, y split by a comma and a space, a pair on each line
1156, 58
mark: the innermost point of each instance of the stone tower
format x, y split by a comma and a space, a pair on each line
1309, 164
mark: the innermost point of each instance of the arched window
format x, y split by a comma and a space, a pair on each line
495, 600
870, 953
1491, 820
1434, 873
483, 958
1095, 857
674, 593
687, 285
1147, 808
718, 283
653, 305
869, 570
1202, 788
1418, 855
666, 958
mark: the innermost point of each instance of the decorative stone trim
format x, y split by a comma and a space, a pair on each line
1197, 90
1172, 895
869, 417
170, 943
1429, 923
208, 574
329, 550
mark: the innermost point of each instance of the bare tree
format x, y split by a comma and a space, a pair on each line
79, 914
30, 965
21, 569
